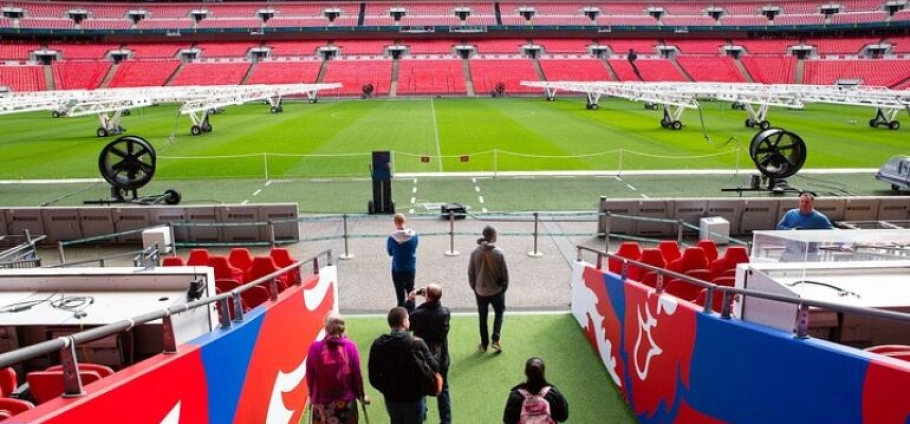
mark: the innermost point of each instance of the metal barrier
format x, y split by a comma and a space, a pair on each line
143, 258
20, 251
802, 324
66, 345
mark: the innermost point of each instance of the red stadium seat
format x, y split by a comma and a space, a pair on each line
47, 385
651, 256
710, 248
670, 249
692, 258
240, 257
282, 258
255, 296
102, 370
717, 302
262, 266
172, 261
683, 290
15, 406
8, 381
198, 257
224, 270
628, 250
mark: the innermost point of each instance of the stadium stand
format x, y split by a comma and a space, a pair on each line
304, 48
79, 75
574, 70
82, 51
744, 20
711, 69
841, 45
156, 51
705, 47
430, 46
694, 20
486, 74
179, 23
143, 73
285, 72
16, 50
642, 46
767, 47
362, 47
556, 45
507, 46
113, 24
22, 78
210, 73
652, 70
771, 70
354, 74
225, 49
422, 77
871, 72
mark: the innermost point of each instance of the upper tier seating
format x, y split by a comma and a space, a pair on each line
143, 73
431, 77
48, 23
766, 47
211, 74
486, 74
225, 49
362, 47
574, 70
295, 22
23, 78
16, 51
118, 24
430, 46
230, 23
354, 74
79, 75
771, 70
711, 69
83, 51
861, 17
884, 73
556, 45
294, 48
811, 19
304, 72
697, 20
181, 23
156, 51
841, 45
744, 20
652, 70
626, 20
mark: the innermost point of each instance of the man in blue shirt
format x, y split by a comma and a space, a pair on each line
805, 217
402, 247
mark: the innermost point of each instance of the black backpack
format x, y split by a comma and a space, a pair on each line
429, 382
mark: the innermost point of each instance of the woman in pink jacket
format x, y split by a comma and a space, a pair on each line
333, 376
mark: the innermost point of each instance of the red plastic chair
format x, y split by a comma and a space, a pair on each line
224, 270
670, 249
650, 279
240, 257
47, 385
725, 281
198, 257
651, 256
15, 406
265, 265
102, 370
255, 296
710, 248
692, 258
683, 289
282, 258
717, 302
628, 250
172, 261
8, 381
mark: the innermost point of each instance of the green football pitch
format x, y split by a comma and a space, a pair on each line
334, 138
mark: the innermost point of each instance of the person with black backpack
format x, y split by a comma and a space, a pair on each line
402, 368
333, 376
535, 401
430, 322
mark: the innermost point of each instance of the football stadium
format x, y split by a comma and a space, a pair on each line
191, 192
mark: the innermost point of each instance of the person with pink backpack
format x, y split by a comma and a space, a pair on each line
535, 401
333, 376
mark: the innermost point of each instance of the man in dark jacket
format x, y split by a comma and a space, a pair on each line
402, 247
430, 322
392, 370
488, 277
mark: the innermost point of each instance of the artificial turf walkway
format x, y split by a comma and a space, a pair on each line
480, 383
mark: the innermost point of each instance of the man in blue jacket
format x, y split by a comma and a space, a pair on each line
402, 247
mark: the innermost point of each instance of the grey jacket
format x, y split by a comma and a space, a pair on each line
487, 271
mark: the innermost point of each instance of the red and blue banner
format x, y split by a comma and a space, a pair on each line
676, 364
252, 372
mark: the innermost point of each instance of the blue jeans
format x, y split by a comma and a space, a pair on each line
404, 284
443, 401
407, 412
498, 301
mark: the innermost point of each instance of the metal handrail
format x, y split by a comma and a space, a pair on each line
14, 252
726, 291
69, 342
141, 258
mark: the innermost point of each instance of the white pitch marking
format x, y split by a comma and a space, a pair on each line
480, 198
630, 187
256, 193
436, 134
645, 196
410, 211
477, 189
474, 180
244, 202
413, 200
484, 210
415, 180
617, 178
268, 183
414, 190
